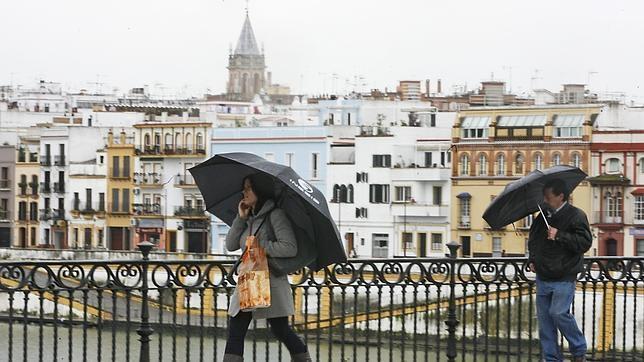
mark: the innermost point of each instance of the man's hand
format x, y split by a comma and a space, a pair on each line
552, 233
532, 267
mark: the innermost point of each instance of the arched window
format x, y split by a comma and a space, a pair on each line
189, 142
518, 164
146, 140
500, 164
538, 161
575, 160
336, 193
350, 194
199, 142
556, 159
343, 194
465, 165
168, 140
177, 140
482, 164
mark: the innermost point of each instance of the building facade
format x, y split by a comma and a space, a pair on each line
497, 145
120, 185
27, 186
7, 193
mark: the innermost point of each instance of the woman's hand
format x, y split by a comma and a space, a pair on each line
243, 210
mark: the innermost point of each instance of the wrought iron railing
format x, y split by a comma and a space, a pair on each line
364, 310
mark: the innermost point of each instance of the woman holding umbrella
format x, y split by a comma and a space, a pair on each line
275, 234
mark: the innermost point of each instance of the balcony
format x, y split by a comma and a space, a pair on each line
59, 187
45, 160
5, 185
185, 181
45, 187
34, 188
120, 174
608, 218
4, 215
147, 209
88, 208
118, 209
58, 214
170, 150
419, 210
189, 211
59, 160
46, 214
421, 174
151, 179
23, 189
464, 222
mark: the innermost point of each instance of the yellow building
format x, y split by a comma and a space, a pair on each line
497, 145
26, 215
120, 184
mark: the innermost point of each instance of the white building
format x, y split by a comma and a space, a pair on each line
389, 186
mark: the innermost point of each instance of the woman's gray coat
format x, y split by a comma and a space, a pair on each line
278, 239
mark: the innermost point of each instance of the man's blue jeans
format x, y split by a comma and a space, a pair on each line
554, 300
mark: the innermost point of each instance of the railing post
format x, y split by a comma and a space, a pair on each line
145, 330
451, 321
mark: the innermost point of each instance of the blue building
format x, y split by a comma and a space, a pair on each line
302, 148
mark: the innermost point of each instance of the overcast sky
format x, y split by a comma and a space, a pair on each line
182, 46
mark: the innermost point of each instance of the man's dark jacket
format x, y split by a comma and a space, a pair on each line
562, 258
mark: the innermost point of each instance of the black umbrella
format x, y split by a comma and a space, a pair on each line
220, 181
523, 196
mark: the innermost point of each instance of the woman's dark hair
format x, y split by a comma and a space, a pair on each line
558, 187
262, 187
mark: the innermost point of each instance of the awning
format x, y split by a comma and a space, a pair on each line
638, 191
464, 195
475, 122
522, 121
569, 120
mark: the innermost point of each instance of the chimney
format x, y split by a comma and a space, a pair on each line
164, 116
110, 138
427, 87
184, 116
439, 88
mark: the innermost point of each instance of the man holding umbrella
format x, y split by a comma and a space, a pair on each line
558, 239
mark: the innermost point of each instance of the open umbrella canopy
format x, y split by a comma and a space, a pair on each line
523, 196
220, 181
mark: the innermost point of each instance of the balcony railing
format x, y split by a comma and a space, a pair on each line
606, 217
88, 207
59, 187
5, 184
366, 309
147, 209
147, 179
34, 188
45, 160
4, 215
45, 187
22, 187
58, 214
59, 160
119, 209
189, 211
46, 214
184, 180
464, 222
170, 150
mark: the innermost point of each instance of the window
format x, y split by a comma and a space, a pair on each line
437, 242
575, 161
641, 163
381, 160
88, 237
408, 240
437, 195
289, 158
361, 212
518, 164
126, 200
76, 236
465, 212
500, 164
465, 165
33, 236
314, 165
5, 178
115, 200
556, 159
640, 247
612, 165
379, 194
569, 125
350, 194
126, 166
614, 204
403, 193
101, 201
496, 244
482, 164
115, 167
380, 244
639, 208
475, 127
432, 122
538, 161
428, 159
199, 142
